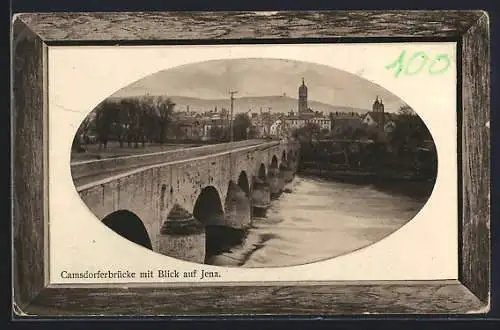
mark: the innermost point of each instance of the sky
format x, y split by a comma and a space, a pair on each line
263, 77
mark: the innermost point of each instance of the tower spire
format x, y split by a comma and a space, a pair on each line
302, 97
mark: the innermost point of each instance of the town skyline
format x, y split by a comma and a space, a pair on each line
212, 80
277, 103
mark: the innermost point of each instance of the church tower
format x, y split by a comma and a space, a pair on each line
302, 97
378, 114
378, 106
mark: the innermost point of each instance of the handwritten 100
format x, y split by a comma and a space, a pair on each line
419, 61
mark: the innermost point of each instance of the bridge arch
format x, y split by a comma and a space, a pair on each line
229, 230
128, 225
208, 210
243, 183
208, 205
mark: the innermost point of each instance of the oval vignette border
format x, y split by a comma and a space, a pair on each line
296, 63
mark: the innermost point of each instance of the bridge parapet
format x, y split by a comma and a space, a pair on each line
85, 169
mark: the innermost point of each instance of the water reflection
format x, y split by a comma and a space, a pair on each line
320, 219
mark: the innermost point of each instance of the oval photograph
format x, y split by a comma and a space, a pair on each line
253, 162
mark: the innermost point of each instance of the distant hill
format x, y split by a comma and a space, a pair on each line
276, 103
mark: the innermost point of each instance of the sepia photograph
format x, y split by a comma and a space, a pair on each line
234, 160
253, 162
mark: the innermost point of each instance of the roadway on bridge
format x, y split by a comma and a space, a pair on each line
97, 174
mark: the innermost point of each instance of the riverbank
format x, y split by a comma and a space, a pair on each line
397, 183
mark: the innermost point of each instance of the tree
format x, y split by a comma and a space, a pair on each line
306, 136
360, 133
253, 132
218, 133
324, 133
406, 110
307, 132
132, 119
82, 135
165, 108
104, 120
410, 132
332, 117
130, 113
149, 123
122, 124
85, 129
240, 125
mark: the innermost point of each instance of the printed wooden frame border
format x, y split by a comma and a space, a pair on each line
34, 297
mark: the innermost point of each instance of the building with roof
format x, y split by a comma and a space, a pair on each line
186, 128
302, 106
305, 114
214, 128
378, 119
276, 129
346, 125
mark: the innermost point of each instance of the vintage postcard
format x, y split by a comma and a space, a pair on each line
251, 163
223, 164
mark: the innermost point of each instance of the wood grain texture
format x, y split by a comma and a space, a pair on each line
335, 299
28, 157
476, 167
241, 25
32, 30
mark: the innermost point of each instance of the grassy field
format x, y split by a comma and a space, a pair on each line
113, 150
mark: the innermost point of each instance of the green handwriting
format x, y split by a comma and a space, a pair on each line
417, 62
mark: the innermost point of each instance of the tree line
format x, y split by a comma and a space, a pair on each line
409, 129
242, 129
130, 121
135, 121
404, 146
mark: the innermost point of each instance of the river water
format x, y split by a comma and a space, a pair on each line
319, 219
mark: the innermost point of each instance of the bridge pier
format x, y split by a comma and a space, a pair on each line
182, 236
276, 182
293, 161
224, 230
238, 209
288, 171
261, 196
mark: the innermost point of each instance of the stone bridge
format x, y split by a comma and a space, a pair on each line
182, 203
